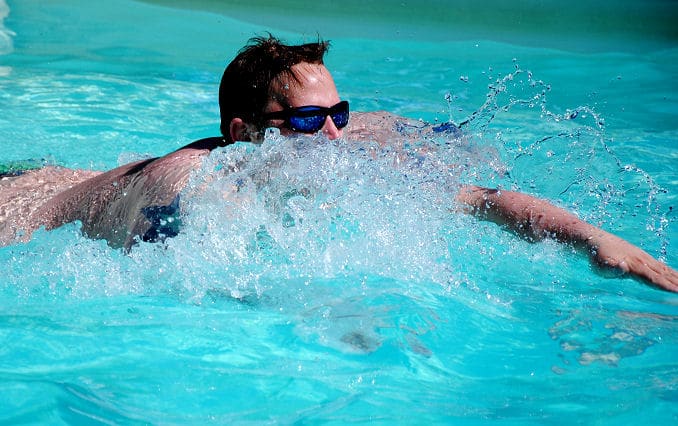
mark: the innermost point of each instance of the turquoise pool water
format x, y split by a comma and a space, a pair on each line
339, 288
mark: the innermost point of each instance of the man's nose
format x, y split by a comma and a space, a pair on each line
330, 129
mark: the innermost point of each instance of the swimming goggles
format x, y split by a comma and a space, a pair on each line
311, 118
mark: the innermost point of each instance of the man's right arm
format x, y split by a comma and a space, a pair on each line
111, 205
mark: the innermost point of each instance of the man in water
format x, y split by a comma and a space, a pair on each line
270, 84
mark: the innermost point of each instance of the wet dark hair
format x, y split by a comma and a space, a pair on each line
246, 84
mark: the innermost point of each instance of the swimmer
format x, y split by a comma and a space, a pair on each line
270, 84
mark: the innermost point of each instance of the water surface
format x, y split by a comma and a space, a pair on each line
337, 285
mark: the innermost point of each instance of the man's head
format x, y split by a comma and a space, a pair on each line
267, 80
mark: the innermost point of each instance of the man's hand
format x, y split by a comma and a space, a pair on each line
610, 251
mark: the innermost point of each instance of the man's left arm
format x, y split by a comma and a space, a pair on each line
537, 219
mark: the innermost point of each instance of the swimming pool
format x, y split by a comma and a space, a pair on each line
341, 288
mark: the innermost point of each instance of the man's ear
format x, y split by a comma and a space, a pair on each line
238, 130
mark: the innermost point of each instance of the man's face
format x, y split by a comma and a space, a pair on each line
314, 86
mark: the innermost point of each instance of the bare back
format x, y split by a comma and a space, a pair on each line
110, 205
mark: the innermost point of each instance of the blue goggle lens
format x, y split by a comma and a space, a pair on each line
310, 119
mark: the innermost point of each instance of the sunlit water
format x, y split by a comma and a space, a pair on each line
336, 281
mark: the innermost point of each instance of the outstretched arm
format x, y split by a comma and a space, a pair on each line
538, 219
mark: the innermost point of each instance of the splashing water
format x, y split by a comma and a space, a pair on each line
565, 156
307, 208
